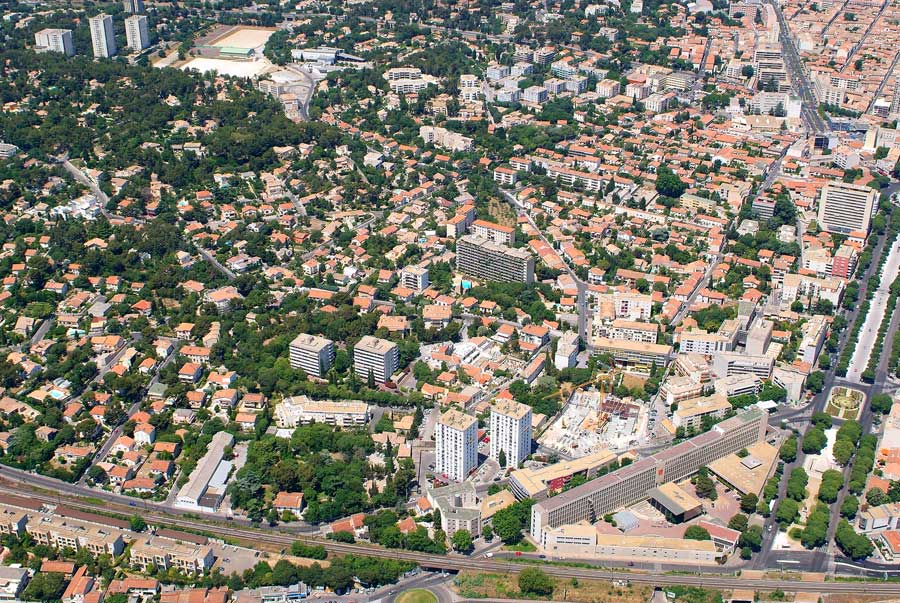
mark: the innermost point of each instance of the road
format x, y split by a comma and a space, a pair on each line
877, 310
865, 35
809, 113
582, 302
215, 263
818, 560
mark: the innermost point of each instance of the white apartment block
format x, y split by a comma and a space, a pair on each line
502, 235
456, 445
378, 357
103, 37
845, 208
313, 354
137, 32
54, 40
300, 410
415, 278
510, 431
633, 306
444, 138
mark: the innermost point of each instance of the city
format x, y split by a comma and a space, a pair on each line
440, 301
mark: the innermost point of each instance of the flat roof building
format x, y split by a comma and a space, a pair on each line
542, 482
200, 491
379, 358
300, 410
510, 432
487, 260
456, 445
631, 484
54, 40
844, 207
313, 354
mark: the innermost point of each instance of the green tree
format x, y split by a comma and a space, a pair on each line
814, 441
137, 523
738, 522
696, 533
788, 450
533, 581
501, 458
787, 512
749, 502
462, 541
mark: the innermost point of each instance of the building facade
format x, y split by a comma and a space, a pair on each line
377, 357
313, 354
487, 260
103, 37
456, 445
510, 431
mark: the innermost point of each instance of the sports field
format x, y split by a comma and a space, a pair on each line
244, 37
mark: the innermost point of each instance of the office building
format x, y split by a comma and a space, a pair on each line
487, 260
632, 483
379, 358
726, 364
459, 508
846, 208
300, 410
133, 7
510, 431
583, 540
103, 37
545, 481
313, 354
137, 32
456, 445
415, 278
54, 40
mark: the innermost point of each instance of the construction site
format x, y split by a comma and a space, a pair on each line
592, 420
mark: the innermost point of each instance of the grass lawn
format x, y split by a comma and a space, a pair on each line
417, 595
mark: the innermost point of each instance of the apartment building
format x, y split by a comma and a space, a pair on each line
691, 413
698, 341
62, 532
794, 286
165, 553
54, 40
632, 330
415, 278
487, 260
137, 32
103, 37
633, 306
300, 410
133, 6
633, 352
502, 235
445, 139
379, 358
510, 431
630, 484
313, 354
566, 351
845, 208
456, 445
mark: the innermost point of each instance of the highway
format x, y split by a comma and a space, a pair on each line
69, 494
